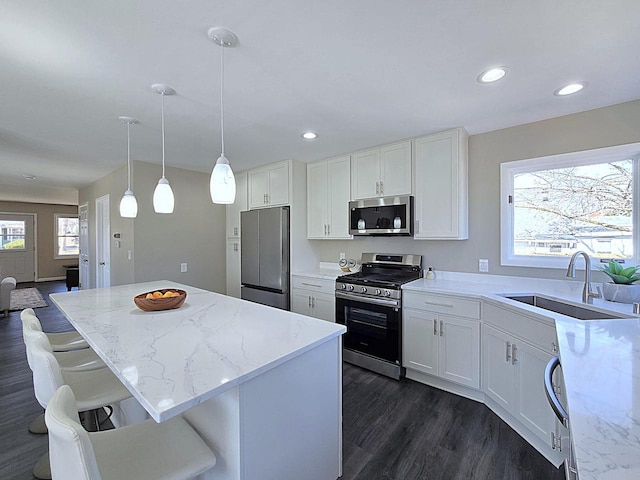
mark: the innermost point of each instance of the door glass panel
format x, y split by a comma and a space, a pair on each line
12, 234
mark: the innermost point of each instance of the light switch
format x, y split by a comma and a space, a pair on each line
483, 265
183, 267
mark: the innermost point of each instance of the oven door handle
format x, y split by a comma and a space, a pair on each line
373, 300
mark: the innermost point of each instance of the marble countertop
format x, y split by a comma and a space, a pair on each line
600, 364
175, 359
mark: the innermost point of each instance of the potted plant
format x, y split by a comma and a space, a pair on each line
622, 289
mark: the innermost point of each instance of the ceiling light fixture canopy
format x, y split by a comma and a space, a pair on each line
222, 185
128, 204
570, 89
163, 199
493, 74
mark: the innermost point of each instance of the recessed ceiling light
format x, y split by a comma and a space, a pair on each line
570, 89
493, 74
28, 177
309, 135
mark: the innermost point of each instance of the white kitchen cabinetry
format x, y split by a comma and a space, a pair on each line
328, 192
314, 297
441, 186
269, 186
240, 205
441, 337
513, 373
381, 172
234, 234
233, 267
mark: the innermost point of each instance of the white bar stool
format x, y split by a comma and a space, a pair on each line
60, 342
149, 450
92, 389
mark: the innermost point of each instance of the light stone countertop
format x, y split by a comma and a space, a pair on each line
600, 364
175, 359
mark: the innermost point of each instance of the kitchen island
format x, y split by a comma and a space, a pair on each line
262, 386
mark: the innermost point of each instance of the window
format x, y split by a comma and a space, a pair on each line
67, 235
552, 207
12, 234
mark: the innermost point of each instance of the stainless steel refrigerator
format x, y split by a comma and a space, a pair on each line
264, 269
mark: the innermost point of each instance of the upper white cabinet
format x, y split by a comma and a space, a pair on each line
381, 172
240, 205
269, 185
328, 187
441, 191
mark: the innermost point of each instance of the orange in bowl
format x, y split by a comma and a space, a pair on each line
163, 299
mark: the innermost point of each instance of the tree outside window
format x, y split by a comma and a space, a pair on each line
67, 235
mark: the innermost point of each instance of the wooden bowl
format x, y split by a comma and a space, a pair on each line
157, 304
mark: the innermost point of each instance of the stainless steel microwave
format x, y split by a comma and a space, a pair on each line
386, 216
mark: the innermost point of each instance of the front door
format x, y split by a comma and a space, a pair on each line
83, 218
17, 247
103, 251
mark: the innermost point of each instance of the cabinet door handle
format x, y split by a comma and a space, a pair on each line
435, 327
514, 360
235, 230
448, 305
309, 302
235, 247
328, 229
381, 189
377, 188
508, 351
554, 347
441, 328
313, 302
311, 285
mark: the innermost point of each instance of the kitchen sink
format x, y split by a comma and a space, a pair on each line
564, 308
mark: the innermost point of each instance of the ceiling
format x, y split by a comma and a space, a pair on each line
358, 72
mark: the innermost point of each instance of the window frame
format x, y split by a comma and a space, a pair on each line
57, 216
587, 157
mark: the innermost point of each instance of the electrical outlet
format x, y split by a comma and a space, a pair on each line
483, 265
128, 254
343, 255
183, 267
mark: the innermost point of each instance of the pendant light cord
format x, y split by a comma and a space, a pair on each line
162, 95
222, 93
128, 157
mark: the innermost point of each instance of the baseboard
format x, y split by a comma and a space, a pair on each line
50, 279
437, 382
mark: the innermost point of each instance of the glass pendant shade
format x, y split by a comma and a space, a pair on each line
163, 200
128, 205
222, 185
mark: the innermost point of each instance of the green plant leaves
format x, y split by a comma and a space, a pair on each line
620, 275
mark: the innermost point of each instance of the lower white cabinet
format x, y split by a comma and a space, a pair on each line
513, 373
314, 297
444, 345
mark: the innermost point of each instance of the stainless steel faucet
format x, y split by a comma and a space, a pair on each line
587, 294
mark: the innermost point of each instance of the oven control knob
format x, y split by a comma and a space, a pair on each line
363, 289
378, 292
387, 293
343, 286
350, 288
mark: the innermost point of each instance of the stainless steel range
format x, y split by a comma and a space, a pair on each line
369, 304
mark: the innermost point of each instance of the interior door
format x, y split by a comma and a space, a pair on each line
83, 218
103, 244
17, 247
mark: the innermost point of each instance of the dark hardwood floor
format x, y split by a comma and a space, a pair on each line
392, 430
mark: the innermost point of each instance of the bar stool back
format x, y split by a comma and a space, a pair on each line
153, 451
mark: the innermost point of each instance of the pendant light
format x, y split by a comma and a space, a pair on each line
163, 199
222, 185
128, 204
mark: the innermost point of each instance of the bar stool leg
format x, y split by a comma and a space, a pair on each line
37, 425
42, 469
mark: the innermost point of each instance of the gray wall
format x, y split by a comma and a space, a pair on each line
193, 234
603, 127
